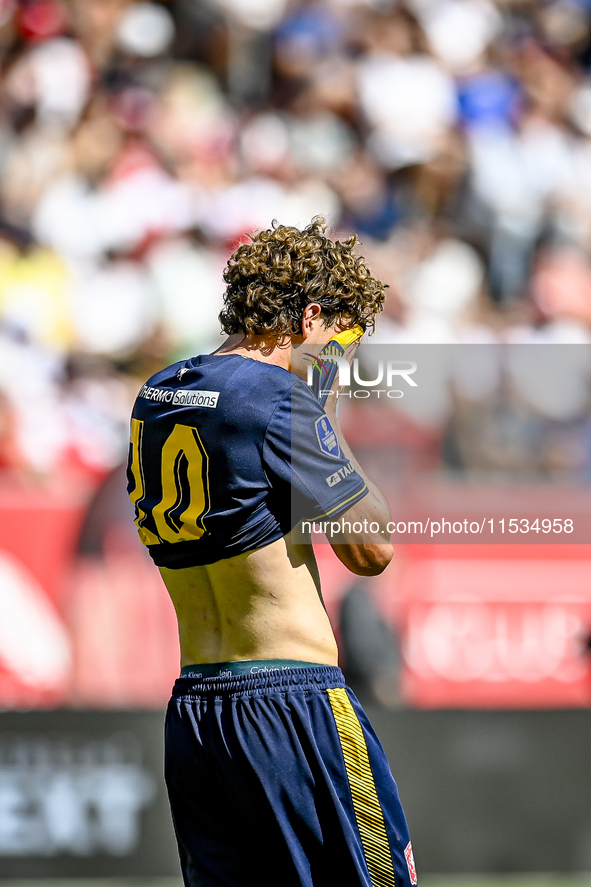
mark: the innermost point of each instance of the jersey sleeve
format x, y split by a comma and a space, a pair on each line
301, 450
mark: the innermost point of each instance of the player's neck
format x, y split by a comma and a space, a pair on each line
267, 349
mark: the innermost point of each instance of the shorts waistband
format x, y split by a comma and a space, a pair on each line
256, 676
248, 666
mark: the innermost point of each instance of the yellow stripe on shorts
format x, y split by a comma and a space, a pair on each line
366, 804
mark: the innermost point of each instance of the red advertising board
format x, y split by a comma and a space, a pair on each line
508, 628
92, 631
487, 626
38, 529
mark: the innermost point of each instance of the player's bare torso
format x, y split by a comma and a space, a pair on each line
263, 604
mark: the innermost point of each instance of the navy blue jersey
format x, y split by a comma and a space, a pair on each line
227, 455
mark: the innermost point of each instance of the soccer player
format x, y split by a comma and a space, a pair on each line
275, 776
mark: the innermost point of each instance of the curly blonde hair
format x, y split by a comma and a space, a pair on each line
271, 279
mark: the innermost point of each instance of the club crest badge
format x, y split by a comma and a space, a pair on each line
327, 437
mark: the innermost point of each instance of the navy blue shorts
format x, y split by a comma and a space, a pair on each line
277, 779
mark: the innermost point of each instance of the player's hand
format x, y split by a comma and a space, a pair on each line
351, 351
349, 355
347, 342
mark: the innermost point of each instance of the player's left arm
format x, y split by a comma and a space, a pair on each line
367, 553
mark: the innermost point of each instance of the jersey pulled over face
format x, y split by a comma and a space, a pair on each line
227, 455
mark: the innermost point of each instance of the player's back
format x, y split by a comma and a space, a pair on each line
262, 604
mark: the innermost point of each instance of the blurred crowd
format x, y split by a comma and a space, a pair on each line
140, 141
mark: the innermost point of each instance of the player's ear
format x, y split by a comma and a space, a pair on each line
310, 317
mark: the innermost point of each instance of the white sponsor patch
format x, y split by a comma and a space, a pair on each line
189, 397
193, 398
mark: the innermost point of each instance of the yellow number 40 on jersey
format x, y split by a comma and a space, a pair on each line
178, 516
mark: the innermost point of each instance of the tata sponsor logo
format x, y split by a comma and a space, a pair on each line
188, 397
387, 374
333, 479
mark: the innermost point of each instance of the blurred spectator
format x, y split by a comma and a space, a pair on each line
406, 97
310, 32
369, 203
518, 175
458, 31
371, 656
